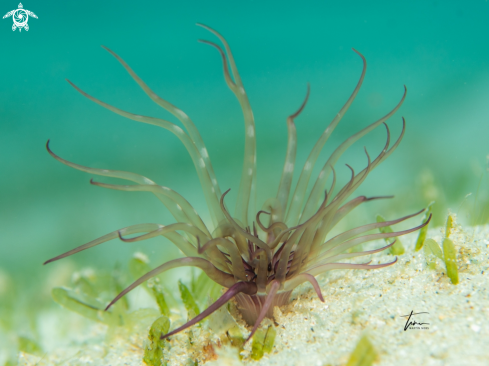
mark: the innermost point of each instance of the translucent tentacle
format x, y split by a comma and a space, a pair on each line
200, 166
346, 191
284, 232
277, 225
348, 207
301, 251
299, 279
227, 76
249, 163
283, 262
293, 213
340, 214
362, 239
383, 154
303, 277
167, 201
181, 204
232, 63
262, 275
354, 182
326, 170
133, 229
357, 254
275, 285
169, 231
162, 230
340, 238
247, 235
288, 169
323, 227
186, 121
223, 279
328, 267
248, 288
226, 229
236, 261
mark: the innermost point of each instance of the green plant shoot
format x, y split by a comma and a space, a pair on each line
450, 255
263, 341
188, 300
84, 306
449, 227
397, 248
431, 251
364, 353
424, 230
153, 352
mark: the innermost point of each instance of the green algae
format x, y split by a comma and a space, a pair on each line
161, 301
423, 232
450, 259
188, 300
84, 305
153, 351
364, 353
432, 251
203, 288
28, 345
449, 254
236, 338
449, 226
263, 341
397, 248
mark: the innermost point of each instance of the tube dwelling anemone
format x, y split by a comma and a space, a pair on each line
258, 261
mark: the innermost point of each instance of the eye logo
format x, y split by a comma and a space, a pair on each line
20, 17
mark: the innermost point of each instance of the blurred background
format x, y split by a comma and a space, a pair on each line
438, 49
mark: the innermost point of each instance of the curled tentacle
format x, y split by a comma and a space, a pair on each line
276, 225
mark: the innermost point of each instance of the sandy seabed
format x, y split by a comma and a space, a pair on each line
310, 332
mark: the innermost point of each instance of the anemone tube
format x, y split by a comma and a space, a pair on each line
261, 266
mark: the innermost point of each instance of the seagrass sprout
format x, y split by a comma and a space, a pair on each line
259, 258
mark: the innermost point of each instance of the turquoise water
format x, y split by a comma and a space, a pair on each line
437, 49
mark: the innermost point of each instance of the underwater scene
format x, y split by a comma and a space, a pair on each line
244, 183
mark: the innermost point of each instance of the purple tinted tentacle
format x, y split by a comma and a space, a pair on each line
253, 238
222, 278
327, 267
259, 222
248, 288
268, 302
314, 284
272, 227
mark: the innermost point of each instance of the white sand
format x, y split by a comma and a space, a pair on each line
313, 333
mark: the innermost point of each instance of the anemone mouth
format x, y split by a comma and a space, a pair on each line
250, 306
